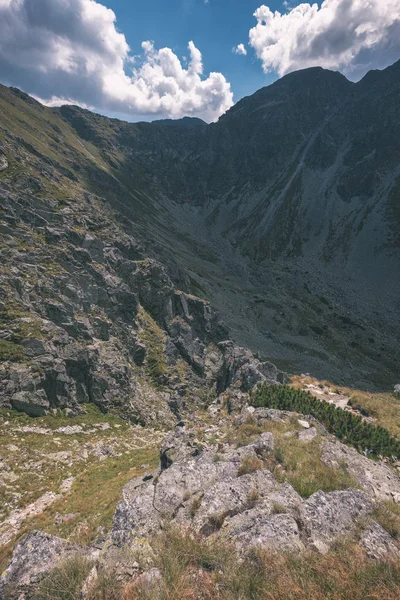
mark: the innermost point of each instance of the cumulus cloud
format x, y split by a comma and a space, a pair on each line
239, 49
71, 51
350, 35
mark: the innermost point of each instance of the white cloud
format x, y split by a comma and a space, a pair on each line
239, 49
71, 50
350, 35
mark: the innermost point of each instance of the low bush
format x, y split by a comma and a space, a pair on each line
249, 464
349, 428
10, 351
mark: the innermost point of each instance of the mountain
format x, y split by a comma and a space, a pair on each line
283, 217
151, 277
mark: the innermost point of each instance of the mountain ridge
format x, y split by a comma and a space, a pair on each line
277, 198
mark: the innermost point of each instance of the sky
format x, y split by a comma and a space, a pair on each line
150, 59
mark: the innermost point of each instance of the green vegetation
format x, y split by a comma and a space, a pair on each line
382, 407
299, 463
193, 567
385, 408
11, 351
153, 336
66, 580
348, 427
21, 323
51, 459
387, 514
293, 461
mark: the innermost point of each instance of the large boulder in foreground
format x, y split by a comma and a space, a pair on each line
34, 556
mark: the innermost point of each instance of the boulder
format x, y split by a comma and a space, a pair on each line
378, 543
379, 480
327, 516
33, 557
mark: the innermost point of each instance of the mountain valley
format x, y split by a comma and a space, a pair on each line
199, 330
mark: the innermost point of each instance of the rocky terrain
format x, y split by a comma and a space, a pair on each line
258, 479
283, 215
151, 277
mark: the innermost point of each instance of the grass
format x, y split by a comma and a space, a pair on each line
66, 580
249, 464
383, 407
299, 463
194, 568
348, 427
296, 462
153, 336
11, 351
97, 486
387, 514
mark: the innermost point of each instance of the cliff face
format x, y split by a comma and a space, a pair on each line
119, 240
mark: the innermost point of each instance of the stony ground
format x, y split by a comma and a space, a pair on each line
66, 474
251, 477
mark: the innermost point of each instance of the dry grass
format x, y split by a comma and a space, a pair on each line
383, 407
299, 463
249, 464
195, 569
387, 514
191, 567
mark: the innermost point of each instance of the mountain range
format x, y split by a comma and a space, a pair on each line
283, 216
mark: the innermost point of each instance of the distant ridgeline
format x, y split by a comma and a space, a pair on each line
349, 428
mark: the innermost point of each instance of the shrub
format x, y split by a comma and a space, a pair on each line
249, 464
11, 351
349, 428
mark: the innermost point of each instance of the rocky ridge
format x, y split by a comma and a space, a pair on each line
238, 494
86, 318
212, 204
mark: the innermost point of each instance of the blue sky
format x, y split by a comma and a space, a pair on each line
215, 27
154, 59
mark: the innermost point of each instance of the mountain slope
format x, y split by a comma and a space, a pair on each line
284, 214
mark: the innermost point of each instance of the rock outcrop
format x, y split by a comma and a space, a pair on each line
84, 317
227, 493
230, 493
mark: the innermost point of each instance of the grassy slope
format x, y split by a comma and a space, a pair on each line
37, 465
381, 408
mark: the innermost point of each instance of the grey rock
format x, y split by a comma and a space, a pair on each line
34, 404
3, 163
328, 516
241, 369
257, 528
377, 479
378, 544
307, 435
33, 557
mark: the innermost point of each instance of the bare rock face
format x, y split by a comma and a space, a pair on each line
327, 516
34, 556
3, 163
75, 336
230, 492
242, 370
377, 542
377, 479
